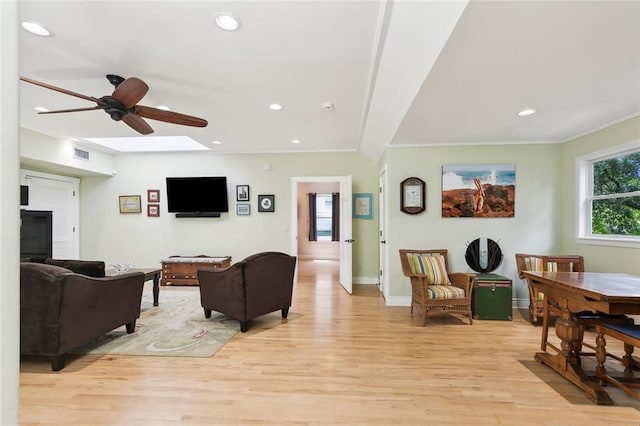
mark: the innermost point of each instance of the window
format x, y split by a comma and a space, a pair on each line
323, 217
609, 196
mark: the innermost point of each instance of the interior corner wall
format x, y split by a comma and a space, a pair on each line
116, 237
532, 229
9, 215
598, 258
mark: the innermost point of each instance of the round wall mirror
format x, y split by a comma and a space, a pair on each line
483, 255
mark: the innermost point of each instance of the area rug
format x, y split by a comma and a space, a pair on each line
177, 327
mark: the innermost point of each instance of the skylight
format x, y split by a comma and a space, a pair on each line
150, 144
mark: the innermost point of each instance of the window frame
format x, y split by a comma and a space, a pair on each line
584, 187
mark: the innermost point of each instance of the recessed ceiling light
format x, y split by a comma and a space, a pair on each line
526, 112
41, 109
163, 107
227, 21
275, 107
295, 141
35, 28
216, 142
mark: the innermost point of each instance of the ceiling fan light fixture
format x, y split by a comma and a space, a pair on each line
526, 112
35, 28
226, 21
275, 107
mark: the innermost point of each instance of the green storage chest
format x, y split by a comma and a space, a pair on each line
491, 299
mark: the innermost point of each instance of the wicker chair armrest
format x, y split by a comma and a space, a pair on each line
463, 280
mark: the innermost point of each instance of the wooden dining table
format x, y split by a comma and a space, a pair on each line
572, 292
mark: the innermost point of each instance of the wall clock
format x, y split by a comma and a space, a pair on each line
412, 195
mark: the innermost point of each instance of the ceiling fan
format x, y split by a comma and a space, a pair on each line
122, 105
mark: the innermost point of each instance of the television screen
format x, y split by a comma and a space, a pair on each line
197, 194
36, 234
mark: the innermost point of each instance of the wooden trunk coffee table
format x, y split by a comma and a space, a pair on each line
183, 270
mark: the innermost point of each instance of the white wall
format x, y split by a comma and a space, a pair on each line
598, 258
533, 228
9, 215
113, 237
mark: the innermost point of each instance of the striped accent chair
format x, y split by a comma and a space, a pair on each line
434, 290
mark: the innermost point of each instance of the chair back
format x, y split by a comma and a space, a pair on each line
406, 254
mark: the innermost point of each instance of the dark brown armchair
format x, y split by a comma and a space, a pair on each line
259, 284
61, 310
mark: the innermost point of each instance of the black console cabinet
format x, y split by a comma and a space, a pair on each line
36, 235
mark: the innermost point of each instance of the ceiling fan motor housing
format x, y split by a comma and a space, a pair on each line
114, 108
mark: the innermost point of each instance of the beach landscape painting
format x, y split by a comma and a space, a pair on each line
483, 190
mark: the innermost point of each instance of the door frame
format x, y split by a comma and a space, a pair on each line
294, 213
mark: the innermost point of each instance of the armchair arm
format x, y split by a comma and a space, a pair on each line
463, 280
222, 290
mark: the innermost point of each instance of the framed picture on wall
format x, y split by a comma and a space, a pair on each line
242, 192
153, 195
266, 203
130, 203
243, 209
153, 210
363, 206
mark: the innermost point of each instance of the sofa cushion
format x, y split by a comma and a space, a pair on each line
432, 267
91, 268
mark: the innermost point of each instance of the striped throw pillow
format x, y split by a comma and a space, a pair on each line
433, 267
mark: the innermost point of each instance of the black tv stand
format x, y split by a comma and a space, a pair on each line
199, 214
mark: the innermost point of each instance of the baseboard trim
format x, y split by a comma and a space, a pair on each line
365, 280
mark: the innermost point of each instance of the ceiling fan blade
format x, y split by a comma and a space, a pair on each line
137, 123
71, 110
61, 90
130, 91
169, 116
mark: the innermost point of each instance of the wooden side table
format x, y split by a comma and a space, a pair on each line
492, 297
183, 270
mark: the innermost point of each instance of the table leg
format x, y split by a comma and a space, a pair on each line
566, 362
156, 289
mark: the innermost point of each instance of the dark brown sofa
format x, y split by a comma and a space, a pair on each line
61, 310
92, 268
259, 284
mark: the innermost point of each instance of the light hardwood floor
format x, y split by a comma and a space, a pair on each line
338, 359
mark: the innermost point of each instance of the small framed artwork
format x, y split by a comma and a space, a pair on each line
242, 192
266, 203
130, 203
243, 209
363, 206
153, 210
153, 195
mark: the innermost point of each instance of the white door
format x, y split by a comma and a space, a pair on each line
346, 236
59, 195
382, 249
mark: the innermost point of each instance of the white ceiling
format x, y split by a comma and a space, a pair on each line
397, 73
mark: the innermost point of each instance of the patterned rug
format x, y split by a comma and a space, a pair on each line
177, 327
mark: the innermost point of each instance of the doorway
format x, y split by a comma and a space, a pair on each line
345, 243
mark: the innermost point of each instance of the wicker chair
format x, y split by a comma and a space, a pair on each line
537, 305
434, 289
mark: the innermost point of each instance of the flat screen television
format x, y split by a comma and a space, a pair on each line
197, 196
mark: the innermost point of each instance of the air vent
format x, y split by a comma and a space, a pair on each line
80, 154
